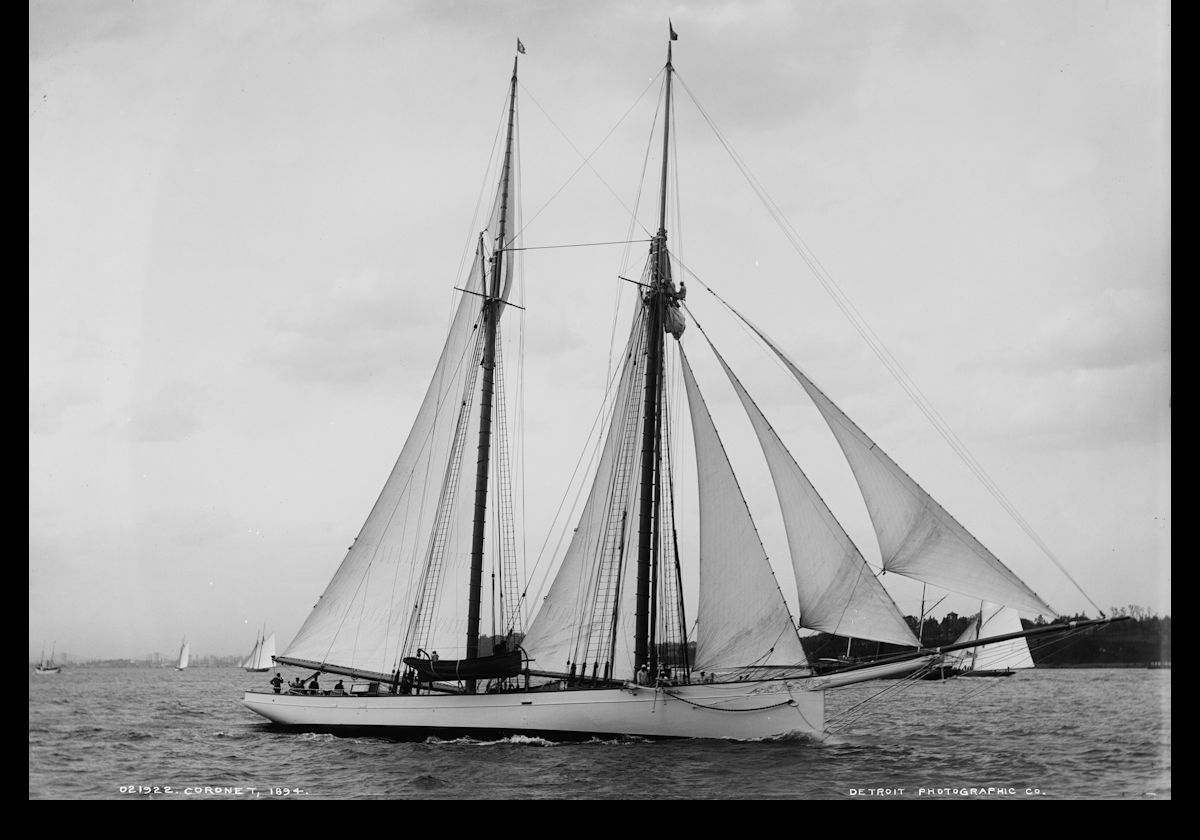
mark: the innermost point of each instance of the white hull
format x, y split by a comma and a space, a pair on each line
42, 670
740, 711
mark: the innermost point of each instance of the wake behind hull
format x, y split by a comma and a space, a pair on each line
737, 711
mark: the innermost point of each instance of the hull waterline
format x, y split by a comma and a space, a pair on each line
738, 711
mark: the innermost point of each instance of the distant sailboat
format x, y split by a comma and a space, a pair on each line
185, 651
47, 666
998, 659
262, 656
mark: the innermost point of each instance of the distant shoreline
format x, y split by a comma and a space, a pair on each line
1147, 665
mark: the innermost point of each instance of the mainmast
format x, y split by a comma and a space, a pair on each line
654, 300
492, 307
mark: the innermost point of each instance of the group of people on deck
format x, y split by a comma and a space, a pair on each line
401, 684
665, 676
297, 686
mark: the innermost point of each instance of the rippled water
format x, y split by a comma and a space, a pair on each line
1055, 734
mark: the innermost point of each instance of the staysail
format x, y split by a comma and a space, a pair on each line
917, 537
742, 617
835, 588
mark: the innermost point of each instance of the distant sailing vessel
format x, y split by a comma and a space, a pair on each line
47, 666
611, 650
998, 659
184, 654
262, 657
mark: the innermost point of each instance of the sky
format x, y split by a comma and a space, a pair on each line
246, 221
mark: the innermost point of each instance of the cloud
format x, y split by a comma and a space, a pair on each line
355, 330
172, 413
49, 406
1118, 328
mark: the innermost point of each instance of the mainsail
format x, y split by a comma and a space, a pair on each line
742, 617
590, 594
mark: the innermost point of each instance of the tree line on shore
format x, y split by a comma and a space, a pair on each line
1143, 640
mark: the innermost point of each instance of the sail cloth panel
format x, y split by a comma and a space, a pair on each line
917, 537
994, 620
360, 618
742, 617
836, 590
566, 628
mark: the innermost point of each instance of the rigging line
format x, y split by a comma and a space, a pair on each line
788, 702
847, 717
746, 505
832, 525
882, 353
847, 423
483, 187
424, 453
577, 245
633, 223
521, 449
586, 159
986, 481
600, 413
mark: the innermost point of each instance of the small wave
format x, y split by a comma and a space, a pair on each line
317, 736
428, 782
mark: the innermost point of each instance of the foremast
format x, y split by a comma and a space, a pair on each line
492, 308
655, 301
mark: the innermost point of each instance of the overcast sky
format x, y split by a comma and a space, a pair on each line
246, 220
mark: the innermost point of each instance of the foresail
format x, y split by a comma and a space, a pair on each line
407, 581
917, 537
835, 588
995, 620
742, 618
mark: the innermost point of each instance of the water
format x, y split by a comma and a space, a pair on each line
134, 733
